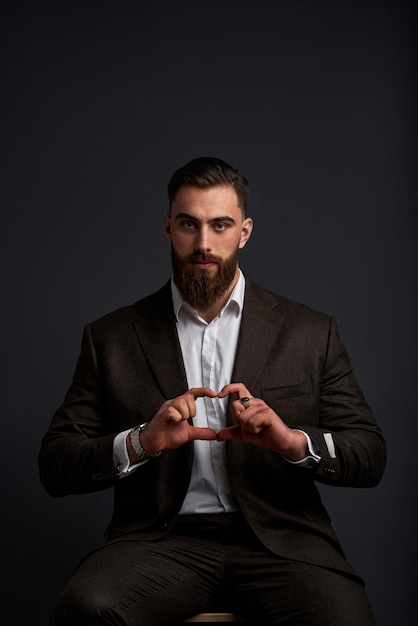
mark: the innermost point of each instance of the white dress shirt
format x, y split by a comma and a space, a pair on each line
208, 351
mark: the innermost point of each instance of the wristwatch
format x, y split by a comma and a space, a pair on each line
136, 443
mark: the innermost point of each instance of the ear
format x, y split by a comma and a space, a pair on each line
246, 230
167, 226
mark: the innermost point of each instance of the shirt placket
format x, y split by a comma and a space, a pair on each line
214, 409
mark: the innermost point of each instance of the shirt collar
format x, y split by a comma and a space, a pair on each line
236, 297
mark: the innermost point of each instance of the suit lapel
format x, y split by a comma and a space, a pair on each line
155, 328
262, 319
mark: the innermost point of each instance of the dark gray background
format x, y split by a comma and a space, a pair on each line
315, 102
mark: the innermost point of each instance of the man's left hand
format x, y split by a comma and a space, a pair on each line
258, 424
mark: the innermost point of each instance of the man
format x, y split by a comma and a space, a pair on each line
212, 407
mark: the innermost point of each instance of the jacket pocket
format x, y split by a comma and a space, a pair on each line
286, 391
296, 404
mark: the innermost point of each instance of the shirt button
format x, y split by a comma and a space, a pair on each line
118, 468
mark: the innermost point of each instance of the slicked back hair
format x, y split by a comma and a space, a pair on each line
207, 172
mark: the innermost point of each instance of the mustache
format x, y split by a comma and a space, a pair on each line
201, 256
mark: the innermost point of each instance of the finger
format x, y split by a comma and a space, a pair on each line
185, 404
226, 434
245, 402
239, 388
253, 428
201, 392
206, 434
174, 415
250, 418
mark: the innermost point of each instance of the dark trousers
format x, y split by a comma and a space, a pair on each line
144, 583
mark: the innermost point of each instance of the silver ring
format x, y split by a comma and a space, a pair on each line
245, 402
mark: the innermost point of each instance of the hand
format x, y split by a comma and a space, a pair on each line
169, 428
259, 425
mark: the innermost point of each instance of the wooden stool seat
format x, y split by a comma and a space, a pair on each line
210, 618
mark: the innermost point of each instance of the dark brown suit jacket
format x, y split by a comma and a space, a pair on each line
288, 354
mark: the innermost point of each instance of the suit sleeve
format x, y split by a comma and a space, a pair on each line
349, 440
76, 453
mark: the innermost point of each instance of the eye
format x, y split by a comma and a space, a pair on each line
220, 226
188, 225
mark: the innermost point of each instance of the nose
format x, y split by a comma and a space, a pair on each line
202, 242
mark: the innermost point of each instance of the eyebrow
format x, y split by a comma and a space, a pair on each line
222, 218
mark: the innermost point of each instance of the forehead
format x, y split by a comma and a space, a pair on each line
206, 203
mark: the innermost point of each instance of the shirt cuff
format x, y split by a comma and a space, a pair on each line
121, 461
313, 457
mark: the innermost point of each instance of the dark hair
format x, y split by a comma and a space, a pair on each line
209, 172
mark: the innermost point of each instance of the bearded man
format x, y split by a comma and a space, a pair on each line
211, 408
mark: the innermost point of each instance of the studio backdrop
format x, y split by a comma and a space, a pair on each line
315, 102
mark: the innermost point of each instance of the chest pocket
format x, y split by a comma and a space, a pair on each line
295, 404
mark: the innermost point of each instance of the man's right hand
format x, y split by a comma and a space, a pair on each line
169, 428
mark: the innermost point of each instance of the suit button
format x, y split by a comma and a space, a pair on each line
99, 476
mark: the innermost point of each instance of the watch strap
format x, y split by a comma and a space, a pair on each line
136, 443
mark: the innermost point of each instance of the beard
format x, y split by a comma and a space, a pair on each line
201, 288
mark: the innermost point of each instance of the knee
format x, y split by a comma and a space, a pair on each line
84, 607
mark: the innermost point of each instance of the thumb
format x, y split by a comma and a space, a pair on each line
207, 434
226, 434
